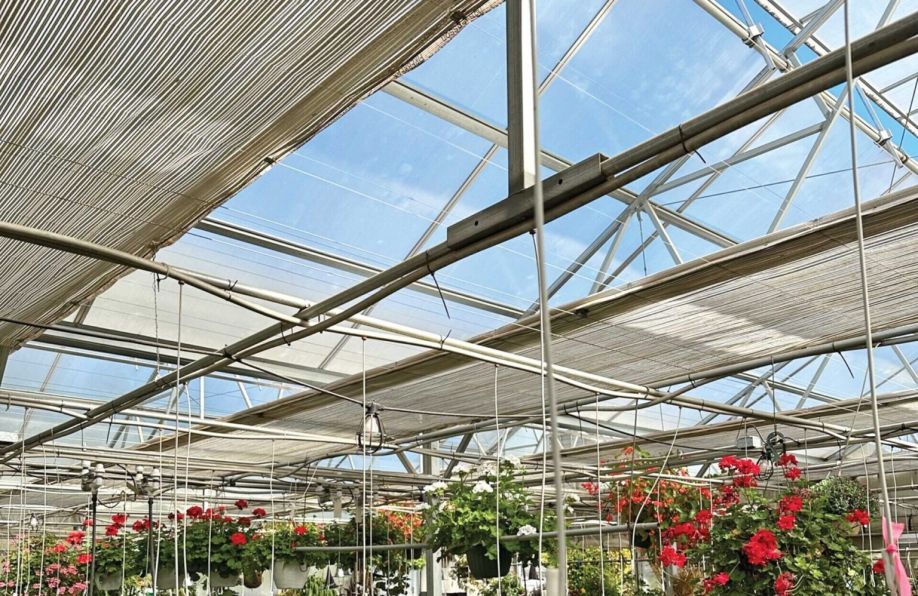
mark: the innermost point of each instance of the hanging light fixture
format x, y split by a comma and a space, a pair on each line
371, 435
772, 450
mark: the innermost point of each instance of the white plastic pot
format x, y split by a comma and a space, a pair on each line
289, 575
108, 582
223, 581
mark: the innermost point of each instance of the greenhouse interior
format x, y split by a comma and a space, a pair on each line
459, 297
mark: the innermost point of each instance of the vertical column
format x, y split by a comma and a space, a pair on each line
520, 96
433, 575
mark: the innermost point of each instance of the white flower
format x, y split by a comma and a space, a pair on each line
574, 497
487, 469
423, 506
462, 469
436, 486
526, 530
482, 487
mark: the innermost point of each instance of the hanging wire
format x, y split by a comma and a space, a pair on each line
363, 463
602, 549
497, 488
865, 295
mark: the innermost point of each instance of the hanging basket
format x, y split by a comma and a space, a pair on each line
289, 575
642, 540
483, 567
108, 582
222, 581
252, 579
165, 578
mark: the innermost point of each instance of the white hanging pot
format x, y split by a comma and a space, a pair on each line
289, 575
165, 578
108, 582
223, 581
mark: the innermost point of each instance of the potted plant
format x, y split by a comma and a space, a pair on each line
643, 498
463, 518
116, 562
844, 496
290, 565
213, 545
782, 544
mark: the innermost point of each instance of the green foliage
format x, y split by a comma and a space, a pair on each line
463, 513
585, 574
843, 494
822, 558
509, 585
121, 553
315, 586
286, 537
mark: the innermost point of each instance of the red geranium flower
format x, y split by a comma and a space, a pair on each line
670, 556
719, 579
727, 462
787, 459
792, 473
300, 530
762, 548
242, 504
879, 566
858, 516
87, 522
787, 522
119, 519
704, 517
238, 539
245, 522
75, 537
195, 511
259, 512
84, 558
111, 530
784, 584
790, 504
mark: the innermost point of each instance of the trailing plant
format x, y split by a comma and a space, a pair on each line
642, 498
463, 514
843, 494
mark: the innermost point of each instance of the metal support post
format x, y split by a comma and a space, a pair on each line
520, 96
432, 570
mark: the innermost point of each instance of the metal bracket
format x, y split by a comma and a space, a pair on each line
518, 207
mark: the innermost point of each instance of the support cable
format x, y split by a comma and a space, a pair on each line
865, 294
544, 314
